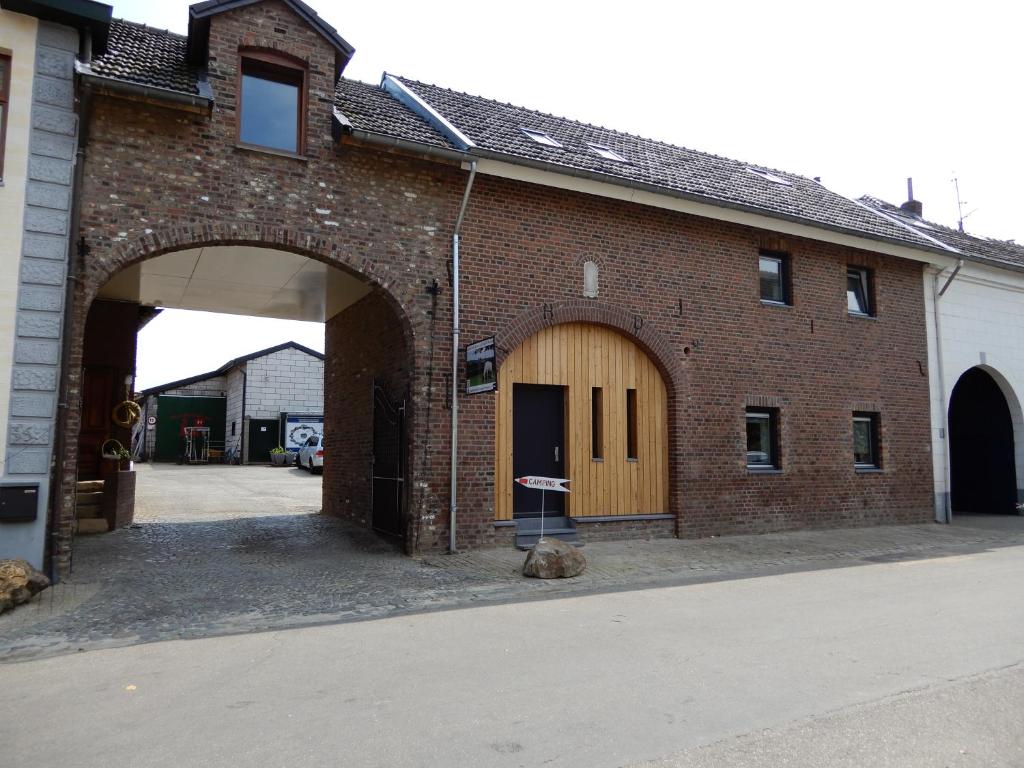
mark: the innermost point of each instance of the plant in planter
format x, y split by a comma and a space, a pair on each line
112, 449
279, 456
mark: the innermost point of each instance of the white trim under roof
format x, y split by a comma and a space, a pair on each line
412, 100
708, 211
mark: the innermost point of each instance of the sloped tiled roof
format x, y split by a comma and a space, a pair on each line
146, 56
1000, 252
373, 110
497, 128
156, 58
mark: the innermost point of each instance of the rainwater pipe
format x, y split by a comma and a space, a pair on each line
947, 509
453, 511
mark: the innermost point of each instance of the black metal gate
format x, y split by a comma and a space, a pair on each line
388, 463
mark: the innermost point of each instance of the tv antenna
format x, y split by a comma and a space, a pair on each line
960, 204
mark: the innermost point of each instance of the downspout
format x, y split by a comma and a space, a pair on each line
455, 359
947, 511
241, 426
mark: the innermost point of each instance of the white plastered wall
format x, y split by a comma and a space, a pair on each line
980, 324
18, 34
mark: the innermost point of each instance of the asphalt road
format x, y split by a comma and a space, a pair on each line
907, 663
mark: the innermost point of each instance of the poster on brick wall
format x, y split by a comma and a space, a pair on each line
480, 374
297, 428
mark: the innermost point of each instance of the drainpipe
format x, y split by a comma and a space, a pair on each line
241, 426
455, 359
947, 512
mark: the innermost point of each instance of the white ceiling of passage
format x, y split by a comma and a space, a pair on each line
239, 280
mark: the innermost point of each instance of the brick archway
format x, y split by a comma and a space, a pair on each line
392, 295
644, 335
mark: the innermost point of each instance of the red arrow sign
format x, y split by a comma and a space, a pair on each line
543, 483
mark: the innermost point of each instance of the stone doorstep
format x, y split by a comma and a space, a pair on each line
88, 511
88, 499
91, 525
89, 486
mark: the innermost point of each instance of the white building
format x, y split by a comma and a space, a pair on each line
250, 404
975, 313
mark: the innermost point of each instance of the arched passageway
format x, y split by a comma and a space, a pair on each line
982, 465
366, 375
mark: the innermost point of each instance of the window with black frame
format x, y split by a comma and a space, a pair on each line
762, 438
865, 441
858, 291
773, 270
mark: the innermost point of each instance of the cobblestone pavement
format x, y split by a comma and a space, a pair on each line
222, 550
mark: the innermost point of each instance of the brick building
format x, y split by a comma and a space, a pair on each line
702, 346
264, 399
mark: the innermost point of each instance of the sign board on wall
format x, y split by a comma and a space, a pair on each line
299, 427
480, 365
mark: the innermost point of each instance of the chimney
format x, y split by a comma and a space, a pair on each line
912, 206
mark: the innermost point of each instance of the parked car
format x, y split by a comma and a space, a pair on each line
311, 454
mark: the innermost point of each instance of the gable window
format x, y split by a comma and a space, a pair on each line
858, 291
773, 268
762, 438
5, 97
865, 441
272, 96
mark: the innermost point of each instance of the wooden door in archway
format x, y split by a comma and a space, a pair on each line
616, 422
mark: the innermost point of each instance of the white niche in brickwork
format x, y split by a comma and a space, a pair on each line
590, 279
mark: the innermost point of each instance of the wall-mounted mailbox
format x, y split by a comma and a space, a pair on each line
19, 503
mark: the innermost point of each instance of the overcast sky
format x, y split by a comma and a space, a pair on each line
862, 95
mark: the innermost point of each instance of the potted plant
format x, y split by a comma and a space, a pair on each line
278, 456
113, 450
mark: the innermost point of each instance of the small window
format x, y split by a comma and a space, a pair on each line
768, 176
232, 429
774, 277
597, 423
762, 438
540, 137
271, 104
631, 452
865, 441
606, 153
858, 291
5, 98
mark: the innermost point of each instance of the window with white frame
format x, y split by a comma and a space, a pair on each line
866, 445
762, 438
858, 291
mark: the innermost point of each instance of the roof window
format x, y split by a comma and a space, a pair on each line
606, 153
540, 137
770, 177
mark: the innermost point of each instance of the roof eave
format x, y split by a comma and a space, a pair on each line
201, 102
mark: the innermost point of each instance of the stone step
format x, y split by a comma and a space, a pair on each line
89, 486
91, 525
527, 541
89, 512
92, 497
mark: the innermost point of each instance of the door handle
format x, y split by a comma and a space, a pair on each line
556, 453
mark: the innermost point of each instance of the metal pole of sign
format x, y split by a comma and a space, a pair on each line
541, 514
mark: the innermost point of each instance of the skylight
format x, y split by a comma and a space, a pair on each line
606, 153
540, 137
770, 177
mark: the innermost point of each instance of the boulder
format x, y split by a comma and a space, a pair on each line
19, 583
554, 559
